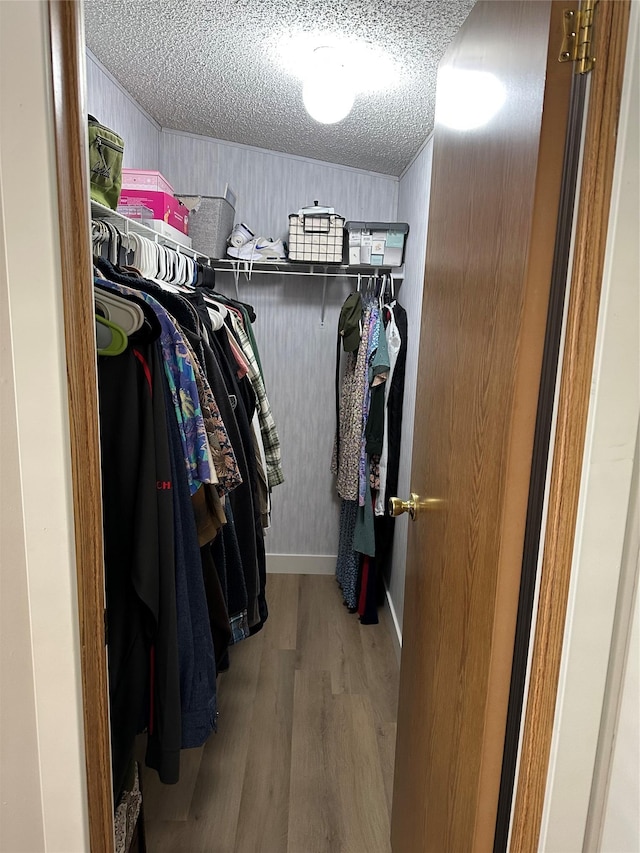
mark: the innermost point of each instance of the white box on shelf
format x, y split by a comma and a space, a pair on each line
145, 179
170, 232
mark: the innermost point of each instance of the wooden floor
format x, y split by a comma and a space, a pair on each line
303, 758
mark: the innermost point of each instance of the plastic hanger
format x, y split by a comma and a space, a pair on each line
110, 338
127, 315
217, 320
220, 307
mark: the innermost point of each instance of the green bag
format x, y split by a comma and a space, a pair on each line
105, 163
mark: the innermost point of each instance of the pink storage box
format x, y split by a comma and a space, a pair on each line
163, 206
145, 179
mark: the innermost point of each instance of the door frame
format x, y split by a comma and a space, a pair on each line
66, 32
591, 230
69, 101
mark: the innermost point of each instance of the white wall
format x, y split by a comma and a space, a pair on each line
621, 826
43, 790
604, 501
413, 207
19, 759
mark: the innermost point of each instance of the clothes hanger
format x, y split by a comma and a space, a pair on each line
370, 291
127, 315
217, 320
217, 306
113, 243
110, 338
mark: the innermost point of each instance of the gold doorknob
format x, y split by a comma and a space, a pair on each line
413, 506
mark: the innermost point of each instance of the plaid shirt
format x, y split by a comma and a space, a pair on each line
268, 430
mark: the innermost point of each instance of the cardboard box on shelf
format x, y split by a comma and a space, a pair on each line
164, 207
145, 179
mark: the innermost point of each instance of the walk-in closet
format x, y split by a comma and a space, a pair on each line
297, 740
297, 365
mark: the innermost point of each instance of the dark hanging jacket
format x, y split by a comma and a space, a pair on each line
139, 558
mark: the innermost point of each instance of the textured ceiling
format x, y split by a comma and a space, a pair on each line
213, 68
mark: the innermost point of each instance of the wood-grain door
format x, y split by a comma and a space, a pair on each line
492, 225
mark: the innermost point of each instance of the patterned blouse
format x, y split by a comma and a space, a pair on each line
224, 457
346, 453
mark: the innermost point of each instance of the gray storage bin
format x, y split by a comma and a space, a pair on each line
376, 244
210, 225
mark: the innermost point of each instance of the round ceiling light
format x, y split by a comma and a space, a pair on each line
327, 92
334, 70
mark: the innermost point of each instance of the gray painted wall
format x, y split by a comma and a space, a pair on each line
269, 185
115, 108
413, 207
298, 356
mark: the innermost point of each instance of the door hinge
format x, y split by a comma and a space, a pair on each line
578, 30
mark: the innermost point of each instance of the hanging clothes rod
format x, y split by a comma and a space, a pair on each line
324, 271
312, 270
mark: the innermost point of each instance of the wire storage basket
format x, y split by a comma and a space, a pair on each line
316, 235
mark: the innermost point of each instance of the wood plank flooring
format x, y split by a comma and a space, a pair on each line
303, 758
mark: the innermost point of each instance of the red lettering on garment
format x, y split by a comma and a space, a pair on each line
145, 367
162, 485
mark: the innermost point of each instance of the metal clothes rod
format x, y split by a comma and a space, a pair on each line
339, 273
325, 272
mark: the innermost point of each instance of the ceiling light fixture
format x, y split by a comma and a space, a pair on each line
468, 99
327, 92
334, 70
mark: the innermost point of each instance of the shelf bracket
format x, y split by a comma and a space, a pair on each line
325, 276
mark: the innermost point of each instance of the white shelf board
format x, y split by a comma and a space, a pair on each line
134, 226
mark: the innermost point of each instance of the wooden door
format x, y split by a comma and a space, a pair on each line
492, 225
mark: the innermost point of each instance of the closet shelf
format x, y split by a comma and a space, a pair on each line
132, 226
236, 267
300, 269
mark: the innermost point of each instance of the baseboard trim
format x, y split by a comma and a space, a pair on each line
301, 564
397, 634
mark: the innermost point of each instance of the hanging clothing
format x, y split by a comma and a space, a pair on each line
180, 374
366, 453
396, 341
348, 562
186, 494
270, 440
385, 524
346, 457
144, 683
